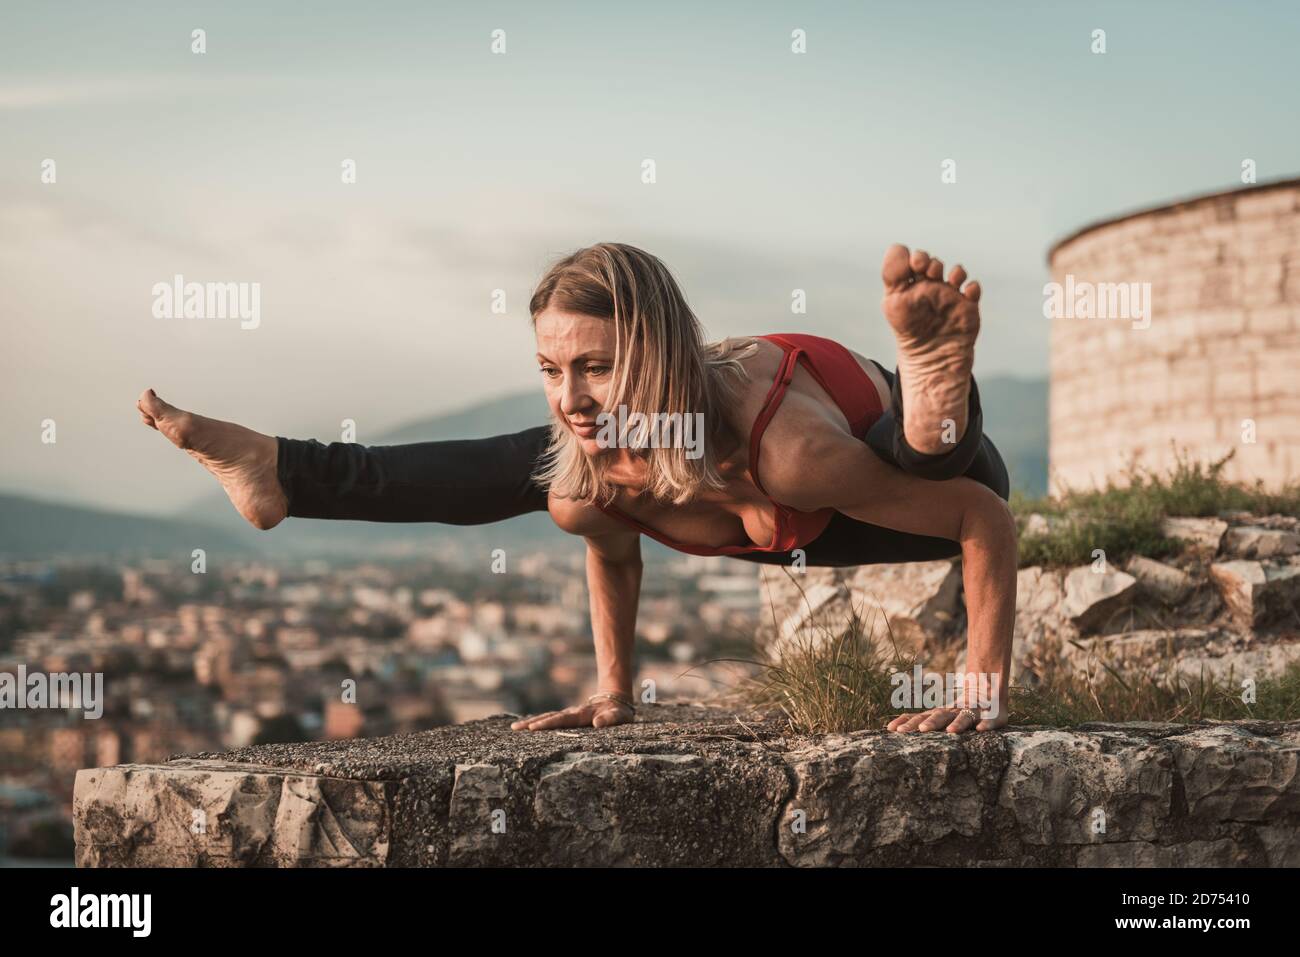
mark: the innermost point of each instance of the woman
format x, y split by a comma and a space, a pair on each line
857, 465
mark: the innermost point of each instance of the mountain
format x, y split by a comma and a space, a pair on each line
32, 528
1015, 418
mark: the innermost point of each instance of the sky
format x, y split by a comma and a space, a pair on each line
475, 169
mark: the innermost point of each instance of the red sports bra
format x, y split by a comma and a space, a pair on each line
836, 371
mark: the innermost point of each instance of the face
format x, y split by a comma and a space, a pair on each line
575, 354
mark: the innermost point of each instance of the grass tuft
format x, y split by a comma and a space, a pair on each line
1125, 518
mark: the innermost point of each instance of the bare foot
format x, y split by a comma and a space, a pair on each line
243, 461
600, 714
936, 323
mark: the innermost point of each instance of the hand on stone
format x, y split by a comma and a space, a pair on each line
952, 720
597, 714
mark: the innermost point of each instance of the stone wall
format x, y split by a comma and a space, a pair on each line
1223, 343
693, 786
1226, 601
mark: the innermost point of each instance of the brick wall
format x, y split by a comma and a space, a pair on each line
1223, 344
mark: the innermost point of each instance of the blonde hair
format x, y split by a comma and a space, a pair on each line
662, 365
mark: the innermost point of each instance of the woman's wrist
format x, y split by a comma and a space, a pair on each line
621, 697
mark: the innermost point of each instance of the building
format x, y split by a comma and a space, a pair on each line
1209, 369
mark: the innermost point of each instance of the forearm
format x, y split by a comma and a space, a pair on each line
989, 563
459, 482
615, 588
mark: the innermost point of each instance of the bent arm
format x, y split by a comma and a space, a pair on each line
458, 482
848, 476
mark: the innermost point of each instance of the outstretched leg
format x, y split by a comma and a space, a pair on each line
269, 478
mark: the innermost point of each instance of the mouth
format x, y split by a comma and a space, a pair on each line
585, 429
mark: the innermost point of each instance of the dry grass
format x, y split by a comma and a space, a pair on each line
834, 675
1125, 518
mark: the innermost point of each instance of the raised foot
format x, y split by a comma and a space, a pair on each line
243, 461
935, 322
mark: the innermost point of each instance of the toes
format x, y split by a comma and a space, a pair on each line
920, 261
935, 270
972, 291
957, 276
149, 403
896, 268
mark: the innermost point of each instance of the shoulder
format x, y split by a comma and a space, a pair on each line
580, 518
602, 531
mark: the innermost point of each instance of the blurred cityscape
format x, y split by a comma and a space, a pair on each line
270, 651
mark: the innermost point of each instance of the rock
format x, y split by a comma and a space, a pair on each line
1092, 597
1229, 773
811, 607
700, 786
1171, 585
1040, 620
1036, 524
1207, 532
919, 599
1251, 541
1224, 853
1060, 786
1148, 649
1255, 593
216, 814
1262, 661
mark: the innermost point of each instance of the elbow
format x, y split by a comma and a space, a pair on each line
991, 524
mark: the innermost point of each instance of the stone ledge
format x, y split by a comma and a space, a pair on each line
696, 786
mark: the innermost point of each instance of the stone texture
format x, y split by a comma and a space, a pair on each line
1257, 593
917, 599
696, 786
212, 813
1040, 623
1192, 653
920, 601
1167, 583
1221, 269
1092, 598
1251, 541
1205, 532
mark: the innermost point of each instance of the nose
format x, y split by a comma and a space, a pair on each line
574, 398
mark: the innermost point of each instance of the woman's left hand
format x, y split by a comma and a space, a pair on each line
952, 720
593, 714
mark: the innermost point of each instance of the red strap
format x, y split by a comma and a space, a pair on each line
770, 405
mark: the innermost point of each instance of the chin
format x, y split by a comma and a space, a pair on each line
591, 447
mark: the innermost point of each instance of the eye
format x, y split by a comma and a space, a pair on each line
597, 370
549, 371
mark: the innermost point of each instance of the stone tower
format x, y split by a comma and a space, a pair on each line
1214, 364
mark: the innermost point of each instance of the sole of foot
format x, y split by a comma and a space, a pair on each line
935, 323
243, 461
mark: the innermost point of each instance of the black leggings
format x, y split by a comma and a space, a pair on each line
477, 481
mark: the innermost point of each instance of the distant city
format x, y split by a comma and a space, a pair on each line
253, 652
